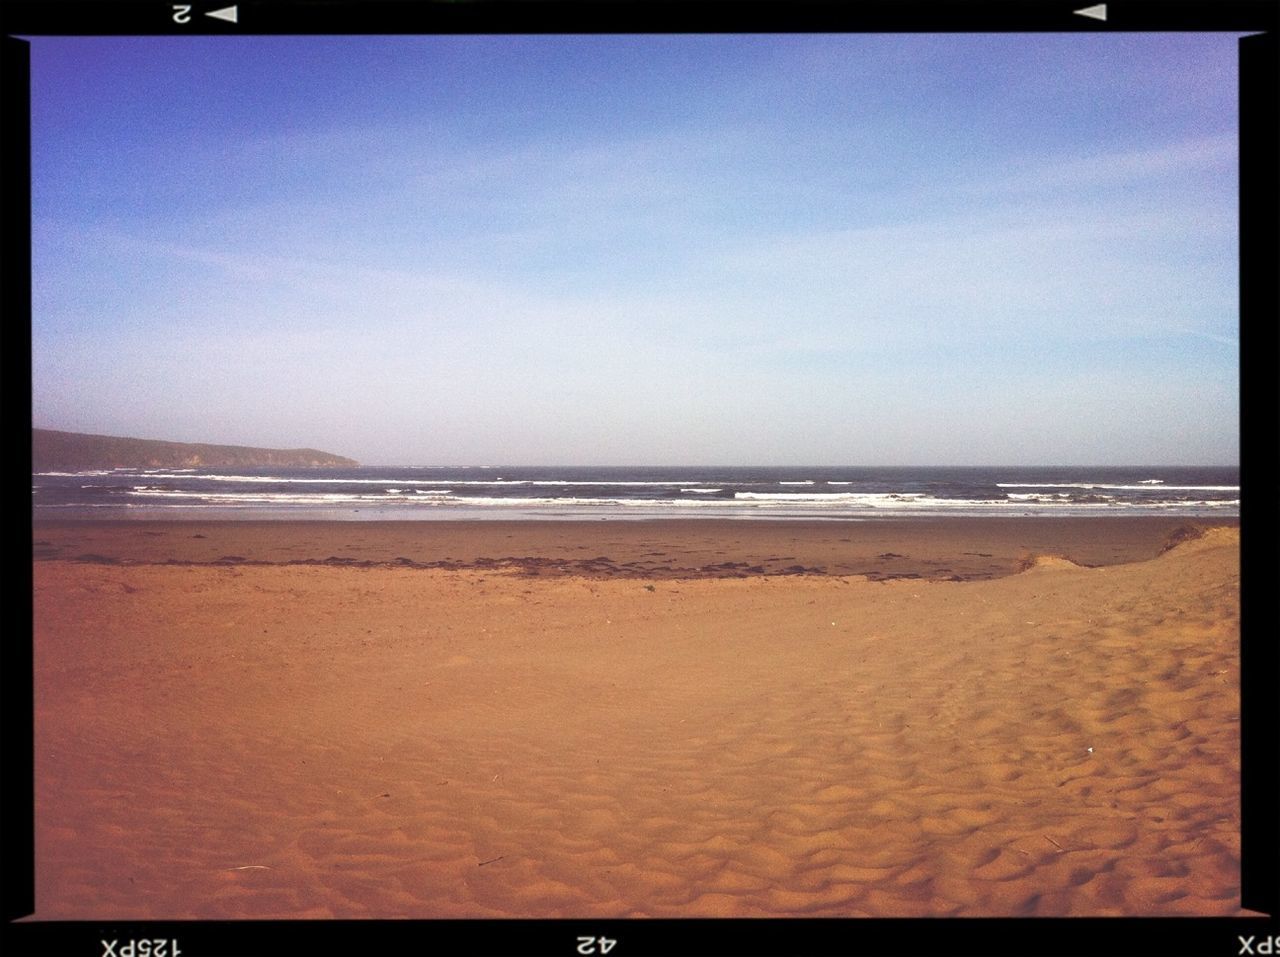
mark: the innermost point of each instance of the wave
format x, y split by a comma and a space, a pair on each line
396, 481
264, 498
825, 496
598, 492
554, 483
84, 474
899, 500
1144, 487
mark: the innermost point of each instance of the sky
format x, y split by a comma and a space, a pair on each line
650, 250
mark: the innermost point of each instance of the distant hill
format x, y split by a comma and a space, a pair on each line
53, 451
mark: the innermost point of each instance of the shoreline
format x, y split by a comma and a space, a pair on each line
941, 549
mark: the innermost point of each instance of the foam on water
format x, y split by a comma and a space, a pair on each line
832, 497
650, 492
1143, 487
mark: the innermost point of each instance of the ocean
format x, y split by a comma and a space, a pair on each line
577, 492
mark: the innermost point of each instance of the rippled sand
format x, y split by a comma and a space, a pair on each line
276, 740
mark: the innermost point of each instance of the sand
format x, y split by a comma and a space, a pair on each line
255, 732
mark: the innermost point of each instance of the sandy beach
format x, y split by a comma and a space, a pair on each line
942, 717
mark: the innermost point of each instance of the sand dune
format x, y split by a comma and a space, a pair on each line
311, 741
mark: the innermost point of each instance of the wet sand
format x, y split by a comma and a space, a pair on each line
495, 719
932, 548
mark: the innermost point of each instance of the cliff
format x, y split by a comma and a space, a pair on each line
53, 451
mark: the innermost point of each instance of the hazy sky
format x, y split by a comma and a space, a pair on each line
861, 250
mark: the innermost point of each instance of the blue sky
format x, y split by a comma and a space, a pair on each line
864, 250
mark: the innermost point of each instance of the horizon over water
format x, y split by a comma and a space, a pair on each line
371, 493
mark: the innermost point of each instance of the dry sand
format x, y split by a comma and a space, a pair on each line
246, 740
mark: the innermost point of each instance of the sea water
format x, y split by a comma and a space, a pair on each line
577, 492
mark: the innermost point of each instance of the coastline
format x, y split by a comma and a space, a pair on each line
332, 740
936, 548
